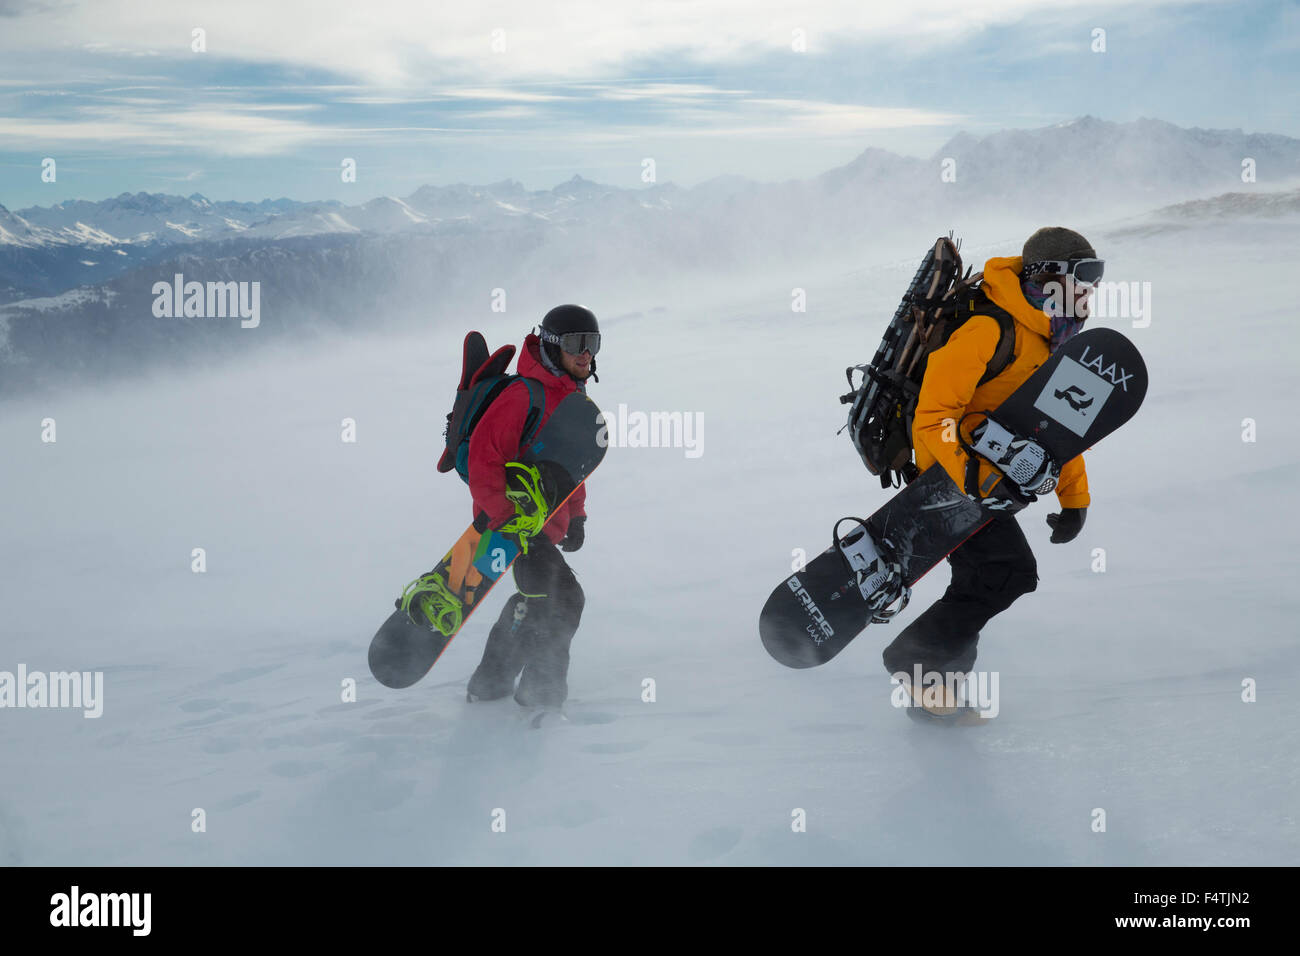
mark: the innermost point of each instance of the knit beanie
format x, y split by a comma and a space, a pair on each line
1057, 242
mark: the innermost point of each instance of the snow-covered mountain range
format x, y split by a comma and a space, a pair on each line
81, 273
1145, 159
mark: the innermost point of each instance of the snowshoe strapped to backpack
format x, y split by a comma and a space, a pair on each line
938, 300
483, 377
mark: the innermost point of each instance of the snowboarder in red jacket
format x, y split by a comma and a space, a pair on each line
537, 624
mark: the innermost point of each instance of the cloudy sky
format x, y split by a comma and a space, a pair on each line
439, 92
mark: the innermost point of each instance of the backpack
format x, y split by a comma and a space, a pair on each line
483, 377
938, 301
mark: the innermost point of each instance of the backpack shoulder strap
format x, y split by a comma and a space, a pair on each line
977, 302
536, 408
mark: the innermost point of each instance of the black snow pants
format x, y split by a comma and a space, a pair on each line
533, 632
993, 568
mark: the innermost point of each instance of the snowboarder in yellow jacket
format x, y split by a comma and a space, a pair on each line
1049, 303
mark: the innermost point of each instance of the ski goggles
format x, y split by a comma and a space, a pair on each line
1087, 271
575, 343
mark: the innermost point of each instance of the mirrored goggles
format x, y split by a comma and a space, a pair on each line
1087, 271
575, 343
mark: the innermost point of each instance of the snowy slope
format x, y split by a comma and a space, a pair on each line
222, 690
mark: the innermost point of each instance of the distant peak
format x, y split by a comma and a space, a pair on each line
576, 181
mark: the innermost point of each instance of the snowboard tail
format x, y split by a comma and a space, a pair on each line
814, 614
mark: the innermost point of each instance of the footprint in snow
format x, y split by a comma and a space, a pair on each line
713, 843
828, 728
728, 738
221, 745
201, 721
616, 748
238, 800
571, 815
202, 704
296, 768
400, 711
337, 708
244, 673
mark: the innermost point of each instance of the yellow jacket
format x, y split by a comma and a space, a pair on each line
949, 389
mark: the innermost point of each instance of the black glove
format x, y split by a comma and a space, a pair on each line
576, 535
1066, 525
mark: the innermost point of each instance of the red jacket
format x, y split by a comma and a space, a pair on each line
495, 441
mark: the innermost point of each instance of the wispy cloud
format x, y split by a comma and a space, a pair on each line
426, 91
660, 92
408, 44
225, 132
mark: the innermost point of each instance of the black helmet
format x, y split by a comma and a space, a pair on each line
570, 328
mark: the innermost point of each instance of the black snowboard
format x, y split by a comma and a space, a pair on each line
1087, 389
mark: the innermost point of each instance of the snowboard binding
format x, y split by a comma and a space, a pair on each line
435, 606
528, 492
878, 572
1022, 461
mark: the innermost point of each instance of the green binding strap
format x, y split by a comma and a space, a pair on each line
441, 609
524, 489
